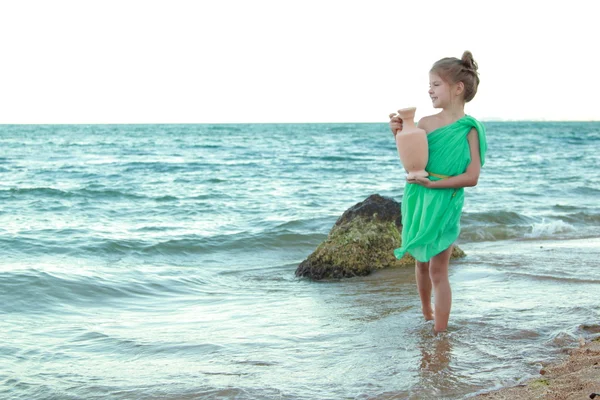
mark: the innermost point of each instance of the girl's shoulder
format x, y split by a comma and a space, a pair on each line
426, 123
430, 123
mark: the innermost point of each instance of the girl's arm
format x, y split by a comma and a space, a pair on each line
468, 178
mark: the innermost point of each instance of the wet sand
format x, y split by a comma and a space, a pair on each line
577, 377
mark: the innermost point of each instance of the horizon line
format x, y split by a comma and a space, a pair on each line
275, 122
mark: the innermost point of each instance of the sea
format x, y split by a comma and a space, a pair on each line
158, 262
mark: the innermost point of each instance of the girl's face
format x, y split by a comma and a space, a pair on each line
443, 94
439, 91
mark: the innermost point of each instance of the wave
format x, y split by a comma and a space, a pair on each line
263, 235
90, 340
551, 277
76, 242
538, 230
342, 128
38, 193
496, 217
37, 291
322, 224
348, 158
224, 127
506, 225
237, 243
586, 190
549, 228
165, 167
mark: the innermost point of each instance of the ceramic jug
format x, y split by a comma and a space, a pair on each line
412, 145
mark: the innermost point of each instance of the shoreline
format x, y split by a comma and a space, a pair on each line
577, 377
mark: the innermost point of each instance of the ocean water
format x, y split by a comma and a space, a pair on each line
157, 262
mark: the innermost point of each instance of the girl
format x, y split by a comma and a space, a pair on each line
431, 206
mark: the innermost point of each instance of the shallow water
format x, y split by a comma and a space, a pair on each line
158, 262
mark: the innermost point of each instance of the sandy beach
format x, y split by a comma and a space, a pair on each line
577, 377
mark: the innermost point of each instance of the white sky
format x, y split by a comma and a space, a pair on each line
219, 61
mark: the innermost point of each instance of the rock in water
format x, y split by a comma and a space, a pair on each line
362, 240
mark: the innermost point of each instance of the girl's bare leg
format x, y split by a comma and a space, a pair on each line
424, 287
438, 271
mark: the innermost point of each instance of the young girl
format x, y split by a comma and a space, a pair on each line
431, 207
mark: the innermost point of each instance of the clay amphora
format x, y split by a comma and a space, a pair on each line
412, 145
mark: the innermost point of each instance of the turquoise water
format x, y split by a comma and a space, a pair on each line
157, 262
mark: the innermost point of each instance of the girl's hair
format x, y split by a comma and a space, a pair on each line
453, 70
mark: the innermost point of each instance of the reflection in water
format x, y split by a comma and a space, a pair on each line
435, 353
435, 373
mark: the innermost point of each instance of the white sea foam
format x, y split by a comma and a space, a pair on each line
549, 228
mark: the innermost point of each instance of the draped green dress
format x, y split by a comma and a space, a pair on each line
431, 217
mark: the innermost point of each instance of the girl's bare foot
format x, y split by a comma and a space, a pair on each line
428, 313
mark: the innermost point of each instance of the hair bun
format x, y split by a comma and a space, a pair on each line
468, 61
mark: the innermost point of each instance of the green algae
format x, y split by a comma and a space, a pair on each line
538, 383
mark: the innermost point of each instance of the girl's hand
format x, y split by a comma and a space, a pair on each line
420, 181
395, 123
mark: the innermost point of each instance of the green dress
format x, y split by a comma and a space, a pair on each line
431, 217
